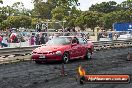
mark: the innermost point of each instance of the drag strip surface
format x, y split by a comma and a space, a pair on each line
30, 75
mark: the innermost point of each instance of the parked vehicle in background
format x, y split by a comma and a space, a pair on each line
63, 48
125, 37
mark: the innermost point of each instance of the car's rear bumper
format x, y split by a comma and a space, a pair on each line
47, 58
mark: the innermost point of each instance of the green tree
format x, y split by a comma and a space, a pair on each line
34, 22
19, 21
59, 2
88, 19
25, 21
60, 12
42, 10
80, 22
37, 1
19, 9
117, 16
7, 10
104, 7
125, 5
3, 13
3, 16
4, 24
71, 18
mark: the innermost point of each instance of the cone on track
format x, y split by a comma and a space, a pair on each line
129, 57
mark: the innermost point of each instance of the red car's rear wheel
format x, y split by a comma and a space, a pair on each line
88, 54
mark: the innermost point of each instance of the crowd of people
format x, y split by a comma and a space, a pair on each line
33, 38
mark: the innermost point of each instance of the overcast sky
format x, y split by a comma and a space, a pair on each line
84, 4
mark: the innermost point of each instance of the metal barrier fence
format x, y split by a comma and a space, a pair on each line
97, 46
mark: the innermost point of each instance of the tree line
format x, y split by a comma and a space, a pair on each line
100, 14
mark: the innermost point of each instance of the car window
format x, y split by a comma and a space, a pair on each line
82, 41
59, 41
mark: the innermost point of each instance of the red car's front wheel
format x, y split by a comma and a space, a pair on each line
65, 57
38, 62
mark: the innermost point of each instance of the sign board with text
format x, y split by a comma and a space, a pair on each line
122, 26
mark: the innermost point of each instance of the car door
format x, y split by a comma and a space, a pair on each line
82, 47
74, 49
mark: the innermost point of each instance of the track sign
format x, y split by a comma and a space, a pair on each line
122, 26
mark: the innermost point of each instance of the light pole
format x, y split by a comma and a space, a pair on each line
47, 24
63, 26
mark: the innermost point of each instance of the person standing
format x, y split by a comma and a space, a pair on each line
1, 38
42, 39
4, 41
46, 38
110, 36
37, 38
32, 40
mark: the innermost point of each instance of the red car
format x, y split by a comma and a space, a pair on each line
63, 48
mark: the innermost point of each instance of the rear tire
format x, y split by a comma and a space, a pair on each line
65, 58
88, 54
38, 62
